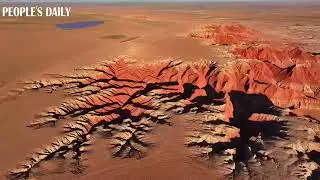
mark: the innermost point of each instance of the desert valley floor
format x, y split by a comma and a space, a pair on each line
162, 91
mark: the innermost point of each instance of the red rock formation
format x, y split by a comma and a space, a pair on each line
226, 34
289, 76
125, 98
243, 98
282, 58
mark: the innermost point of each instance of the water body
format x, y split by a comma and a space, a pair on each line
78, 25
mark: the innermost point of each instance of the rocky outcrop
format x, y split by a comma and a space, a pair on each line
286, 74
226, 34
250, 115
121, 98
294, 73
274, 84
125, 100
281, 57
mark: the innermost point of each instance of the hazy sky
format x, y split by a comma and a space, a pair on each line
156, 0
173, 1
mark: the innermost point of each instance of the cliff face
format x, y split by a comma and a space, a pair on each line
269, 74
286, 74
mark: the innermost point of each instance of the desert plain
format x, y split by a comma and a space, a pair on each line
222, 64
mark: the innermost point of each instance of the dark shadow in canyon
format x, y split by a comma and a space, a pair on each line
244, 106
252, 133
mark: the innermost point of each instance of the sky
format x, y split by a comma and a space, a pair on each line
155, 0
172, 1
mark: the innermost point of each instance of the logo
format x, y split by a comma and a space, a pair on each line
14, 11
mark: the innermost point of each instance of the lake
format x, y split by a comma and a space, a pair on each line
78, 25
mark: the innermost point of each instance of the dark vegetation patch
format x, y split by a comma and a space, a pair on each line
114, 36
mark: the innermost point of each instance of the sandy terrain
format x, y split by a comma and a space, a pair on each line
33, 47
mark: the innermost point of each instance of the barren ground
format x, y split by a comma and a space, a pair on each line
32, 47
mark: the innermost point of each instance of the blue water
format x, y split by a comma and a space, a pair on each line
78, 25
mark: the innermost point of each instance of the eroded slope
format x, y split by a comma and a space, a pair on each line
126, 100
255, 117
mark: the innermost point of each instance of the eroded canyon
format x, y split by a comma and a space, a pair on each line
252, 116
